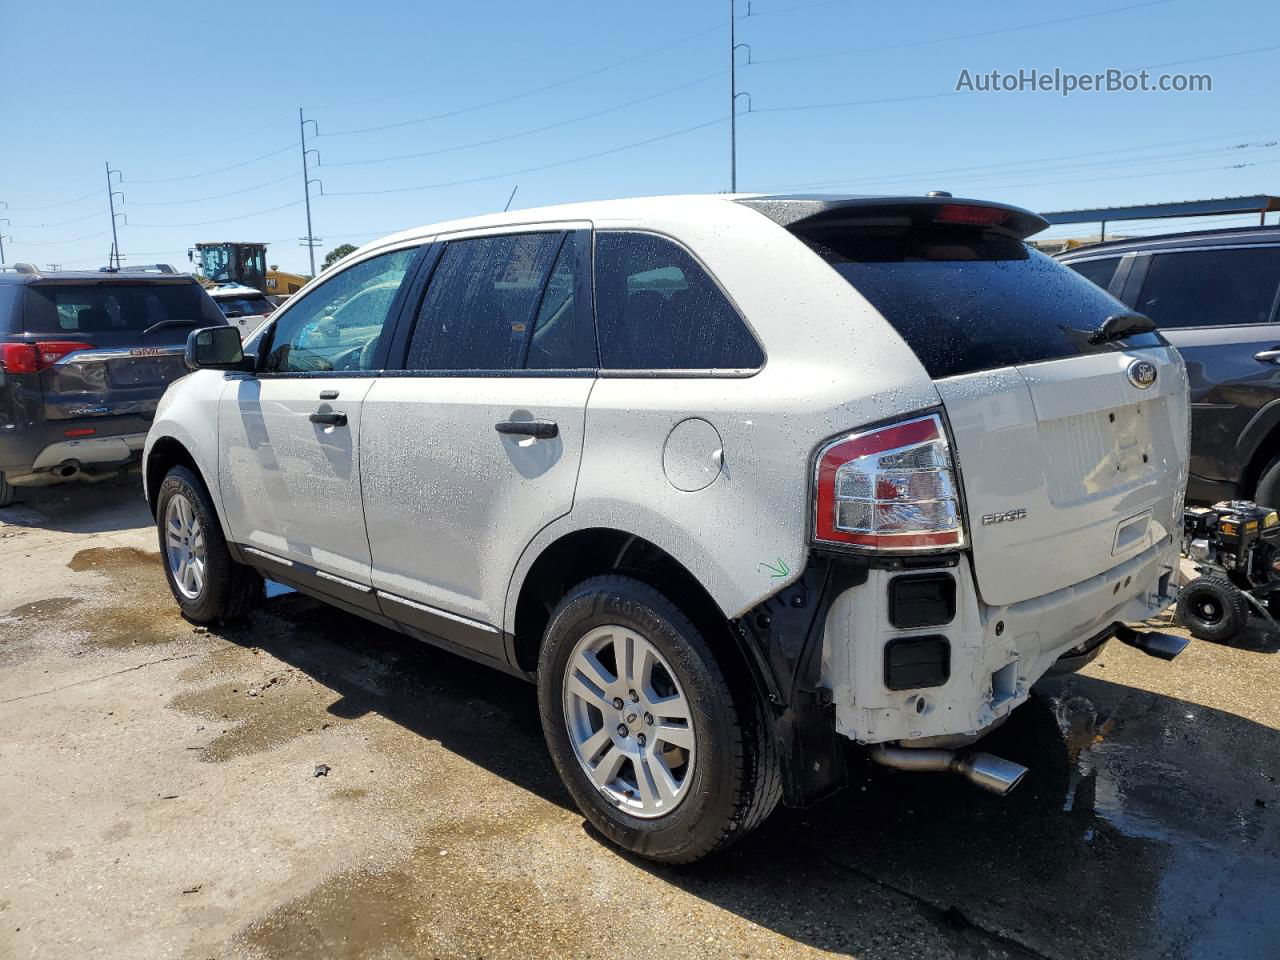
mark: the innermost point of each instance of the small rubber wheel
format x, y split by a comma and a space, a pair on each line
661, 753
207, 583
7, 492
1213, 608
1267, 492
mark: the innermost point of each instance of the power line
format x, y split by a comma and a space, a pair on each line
206, 223
217, 196
61, 223
793, 9
859, 103
531, 131
56, 243
52, 206
544, 166
527, 93
1040, 169
962, 36
209, 173
1026, 161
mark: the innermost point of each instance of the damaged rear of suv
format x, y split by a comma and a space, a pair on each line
734, 480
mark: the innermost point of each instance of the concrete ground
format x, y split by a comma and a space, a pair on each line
159, 798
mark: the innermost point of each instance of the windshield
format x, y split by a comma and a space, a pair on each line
966, 300
115, 307
215, 263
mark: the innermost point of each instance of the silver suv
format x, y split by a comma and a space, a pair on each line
733, 479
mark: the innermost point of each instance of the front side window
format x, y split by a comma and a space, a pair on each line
1211, 288
339, 325
657, 309
481, 301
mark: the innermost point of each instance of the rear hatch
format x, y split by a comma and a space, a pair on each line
1072, 453
111, 346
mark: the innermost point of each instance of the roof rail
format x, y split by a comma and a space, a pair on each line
20, 267
140, 268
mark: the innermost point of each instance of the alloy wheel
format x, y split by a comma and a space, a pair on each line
184, 537
630, 723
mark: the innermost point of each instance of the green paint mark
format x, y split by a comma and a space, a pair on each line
777, 571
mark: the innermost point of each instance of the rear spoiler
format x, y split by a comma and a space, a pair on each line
800, 212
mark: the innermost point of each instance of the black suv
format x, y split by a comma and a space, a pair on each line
1214, 295
84, 359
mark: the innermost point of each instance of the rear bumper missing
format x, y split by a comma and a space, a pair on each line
994, 653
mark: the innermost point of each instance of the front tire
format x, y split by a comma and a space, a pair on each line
207, 583
660, 752
1213, 609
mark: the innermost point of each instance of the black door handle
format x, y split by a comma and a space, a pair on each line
539, 429
329, 419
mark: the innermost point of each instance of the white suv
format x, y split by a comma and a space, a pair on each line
731, 478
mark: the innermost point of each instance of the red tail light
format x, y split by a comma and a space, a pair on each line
889, 489
19, 357
34, 357
971, 214
51, 351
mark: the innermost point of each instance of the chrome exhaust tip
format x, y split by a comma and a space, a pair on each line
1164, 646
991, 773
67, 469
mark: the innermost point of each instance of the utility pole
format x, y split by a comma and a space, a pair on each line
115, 258
309, 241
4, 220
733, 101
734, 94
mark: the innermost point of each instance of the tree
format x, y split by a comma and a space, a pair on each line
336, 254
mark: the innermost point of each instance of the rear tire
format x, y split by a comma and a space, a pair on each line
7, 492
1213, 609
1267, 491
207, 583
708, 782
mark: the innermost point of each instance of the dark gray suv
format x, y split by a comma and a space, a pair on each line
1214, 295
84, 358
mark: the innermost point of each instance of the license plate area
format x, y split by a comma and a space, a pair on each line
141, 372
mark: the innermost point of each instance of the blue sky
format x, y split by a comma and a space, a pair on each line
167, 90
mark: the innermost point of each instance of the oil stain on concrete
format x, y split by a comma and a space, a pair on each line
135, 607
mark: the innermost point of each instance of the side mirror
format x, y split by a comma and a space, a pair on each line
217, 348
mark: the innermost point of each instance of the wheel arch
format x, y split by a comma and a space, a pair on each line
583, 553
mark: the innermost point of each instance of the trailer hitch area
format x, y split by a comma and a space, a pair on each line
1166, 646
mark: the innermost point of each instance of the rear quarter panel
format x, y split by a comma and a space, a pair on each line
832, 365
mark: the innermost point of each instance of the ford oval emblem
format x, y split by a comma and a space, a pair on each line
1142, 373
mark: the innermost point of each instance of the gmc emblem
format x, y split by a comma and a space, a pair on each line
1019, 513
145, 352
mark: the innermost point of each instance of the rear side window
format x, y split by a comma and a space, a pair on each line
657, 309
966, 299
115, 307
1211, 288
481, 300
1100, 271
10, 294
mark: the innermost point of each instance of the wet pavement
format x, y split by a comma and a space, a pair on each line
159, 797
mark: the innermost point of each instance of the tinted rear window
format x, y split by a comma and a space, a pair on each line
115, 307
1100, 271
244, 306
966, 300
